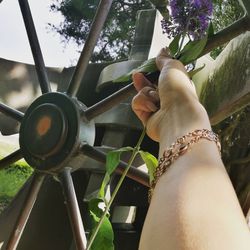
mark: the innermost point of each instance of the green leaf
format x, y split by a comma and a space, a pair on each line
112, 161
210, 31
105, 236
146, 67
174, 45
113, 158
94, 208
105, 182
124, 78
192, 50
151, 163
195, 71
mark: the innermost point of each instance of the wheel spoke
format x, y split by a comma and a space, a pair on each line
109, 102
13, 113
73, 209
95, 30
13, 157
23, 217
133, 173
35, 47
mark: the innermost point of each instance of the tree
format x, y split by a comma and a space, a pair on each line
225, 13
116, 38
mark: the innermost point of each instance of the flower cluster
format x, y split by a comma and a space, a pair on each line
189, 17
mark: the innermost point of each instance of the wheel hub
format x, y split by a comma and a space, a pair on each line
45, 130
52, 130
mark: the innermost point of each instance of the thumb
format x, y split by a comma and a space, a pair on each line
163, 58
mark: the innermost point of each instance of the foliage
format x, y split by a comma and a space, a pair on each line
12, 178
147, 66
186, 53
101, 217
116, 38
225, 13
105, 236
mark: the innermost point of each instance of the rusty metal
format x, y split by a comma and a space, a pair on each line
13, 113
109, 102
35, 47
73, 209
134, 173
25, 211
8, 160
95, 30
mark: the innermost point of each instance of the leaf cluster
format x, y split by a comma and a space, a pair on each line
116, 38
102, 234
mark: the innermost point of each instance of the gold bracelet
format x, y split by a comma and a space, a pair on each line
178, 148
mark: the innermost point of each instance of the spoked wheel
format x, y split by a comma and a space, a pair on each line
57, 128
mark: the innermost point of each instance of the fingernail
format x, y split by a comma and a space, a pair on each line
154, 94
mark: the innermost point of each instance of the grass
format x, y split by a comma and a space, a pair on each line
12, 179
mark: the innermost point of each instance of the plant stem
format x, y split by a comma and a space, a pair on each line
134, 153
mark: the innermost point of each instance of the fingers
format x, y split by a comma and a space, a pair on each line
140, 81
147, 100
145, 103
163, 58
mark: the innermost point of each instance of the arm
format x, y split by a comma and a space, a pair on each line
194, 206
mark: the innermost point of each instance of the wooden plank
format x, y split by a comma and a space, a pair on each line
225, 86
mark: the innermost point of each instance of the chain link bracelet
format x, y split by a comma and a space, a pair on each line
178, 148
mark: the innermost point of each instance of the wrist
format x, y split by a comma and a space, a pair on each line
181, 119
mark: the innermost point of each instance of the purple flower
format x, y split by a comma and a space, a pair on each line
188, 16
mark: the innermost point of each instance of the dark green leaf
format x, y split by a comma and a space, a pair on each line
146, 67
210, 31
192, 50
195, 71
151, 163
174, 45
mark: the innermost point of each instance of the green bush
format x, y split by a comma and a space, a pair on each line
12, 179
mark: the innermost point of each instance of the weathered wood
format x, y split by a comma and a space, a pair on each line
226, 84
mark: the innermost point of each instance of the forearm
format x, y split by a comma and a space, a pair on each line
194, 206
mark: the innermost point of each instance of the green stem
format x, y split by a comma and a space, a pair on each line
134, 153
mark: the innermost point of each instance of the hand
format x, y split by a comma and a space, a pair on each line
170, 105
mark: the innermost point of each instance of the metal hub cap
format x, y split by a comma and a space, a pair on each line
45, 130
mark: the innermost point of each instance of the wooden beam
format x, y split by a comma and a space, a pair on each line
225, 86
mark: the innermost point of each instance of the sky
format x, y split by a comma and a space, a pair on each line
14, 44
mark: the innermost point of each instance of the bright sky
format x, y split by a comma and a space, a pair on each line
14, 43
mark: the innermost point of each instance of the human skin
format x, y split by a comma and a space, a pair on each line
194, 205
